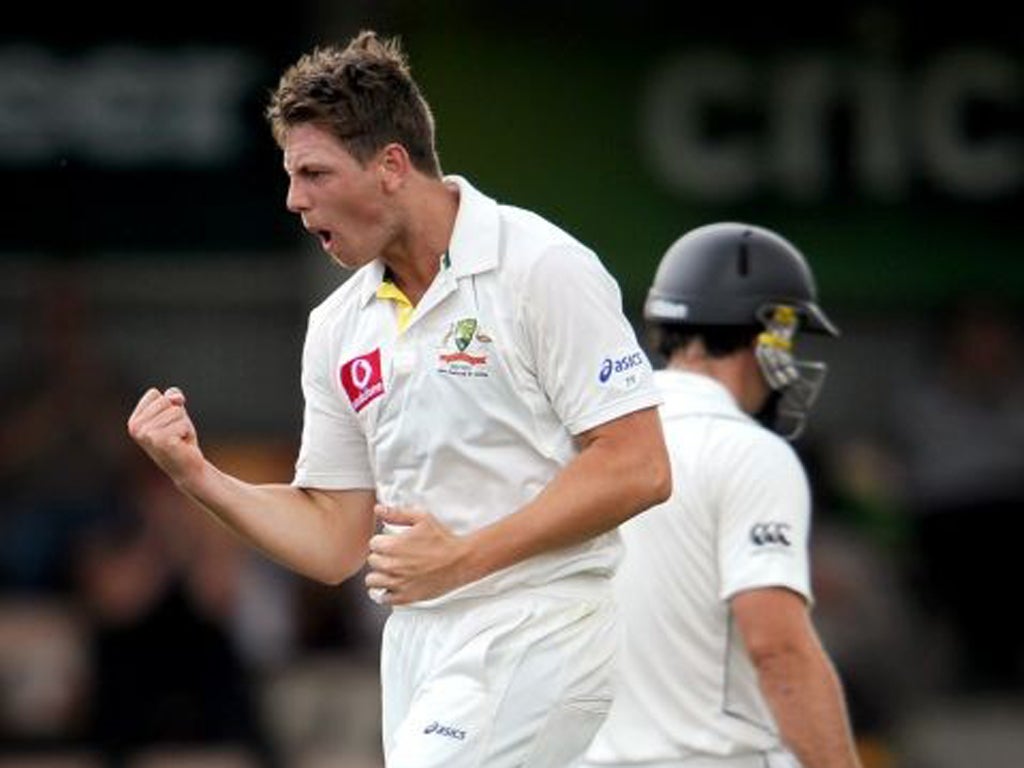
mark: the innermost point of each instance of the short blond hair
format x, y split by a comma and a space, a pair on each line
364, 94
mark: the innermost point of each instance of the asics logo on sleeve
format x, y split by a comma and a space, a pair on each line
445, 730
618, 365
623, 370
770, 533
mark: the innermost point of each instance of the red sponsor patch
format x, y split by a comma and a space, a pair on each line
361, 379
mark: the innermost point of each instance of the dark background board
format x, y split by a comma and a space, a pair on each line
886, 139
140, 129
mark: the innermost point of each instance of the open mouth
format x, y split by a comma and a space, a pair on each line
325, 238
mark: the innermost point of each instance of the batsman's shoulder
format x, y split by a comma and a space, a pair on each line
765, 448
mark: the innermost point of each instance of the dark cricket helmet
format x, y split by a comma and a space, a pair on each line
732, 274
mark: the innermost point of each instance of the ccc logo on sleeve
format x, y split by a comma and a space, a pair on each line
762, 534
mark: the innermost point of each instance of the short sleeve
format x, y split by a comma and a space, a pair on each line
587, 357
334, 453
764, 516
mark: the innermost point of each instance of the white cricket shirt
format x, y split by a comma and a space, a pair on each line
519, 344
737, 519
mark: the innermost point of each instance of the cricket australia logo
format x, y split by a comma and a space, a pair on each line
463, 350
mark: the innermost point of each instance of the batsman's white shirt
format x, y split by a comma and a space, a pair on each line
738, 519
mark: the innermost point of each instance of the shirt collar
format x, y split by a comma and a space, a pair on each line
474, 245
701, 394
371, 275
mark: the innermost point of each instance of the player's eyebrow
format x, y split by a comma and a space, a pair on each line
303, 165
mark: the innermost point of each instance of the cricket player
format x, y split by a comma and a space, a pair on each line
720, 665
473, 388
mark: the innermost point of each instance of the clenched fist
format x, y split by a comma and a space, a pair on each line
161, 426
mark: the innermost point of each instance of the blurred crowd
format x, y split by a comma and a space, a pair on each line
133, 629
131, 625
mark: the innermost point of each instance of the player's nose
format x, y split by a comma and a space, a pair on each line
297, 200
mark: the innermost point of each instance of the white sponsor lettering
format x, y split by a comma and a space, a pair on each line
367, 394
781, 136
123, 105
361, 373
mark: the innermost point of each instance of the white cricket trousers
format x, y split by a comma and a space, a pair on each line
521, 680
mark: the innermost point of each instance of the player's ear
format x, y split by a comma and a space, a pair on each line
393, 166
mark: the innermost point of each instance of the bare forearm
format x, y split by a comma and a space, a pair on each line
600, 489
300, 529
806, 697
622, 468
427, 559
321, 534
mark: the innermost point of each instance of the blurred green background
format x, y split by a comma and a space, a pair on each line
884, 138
